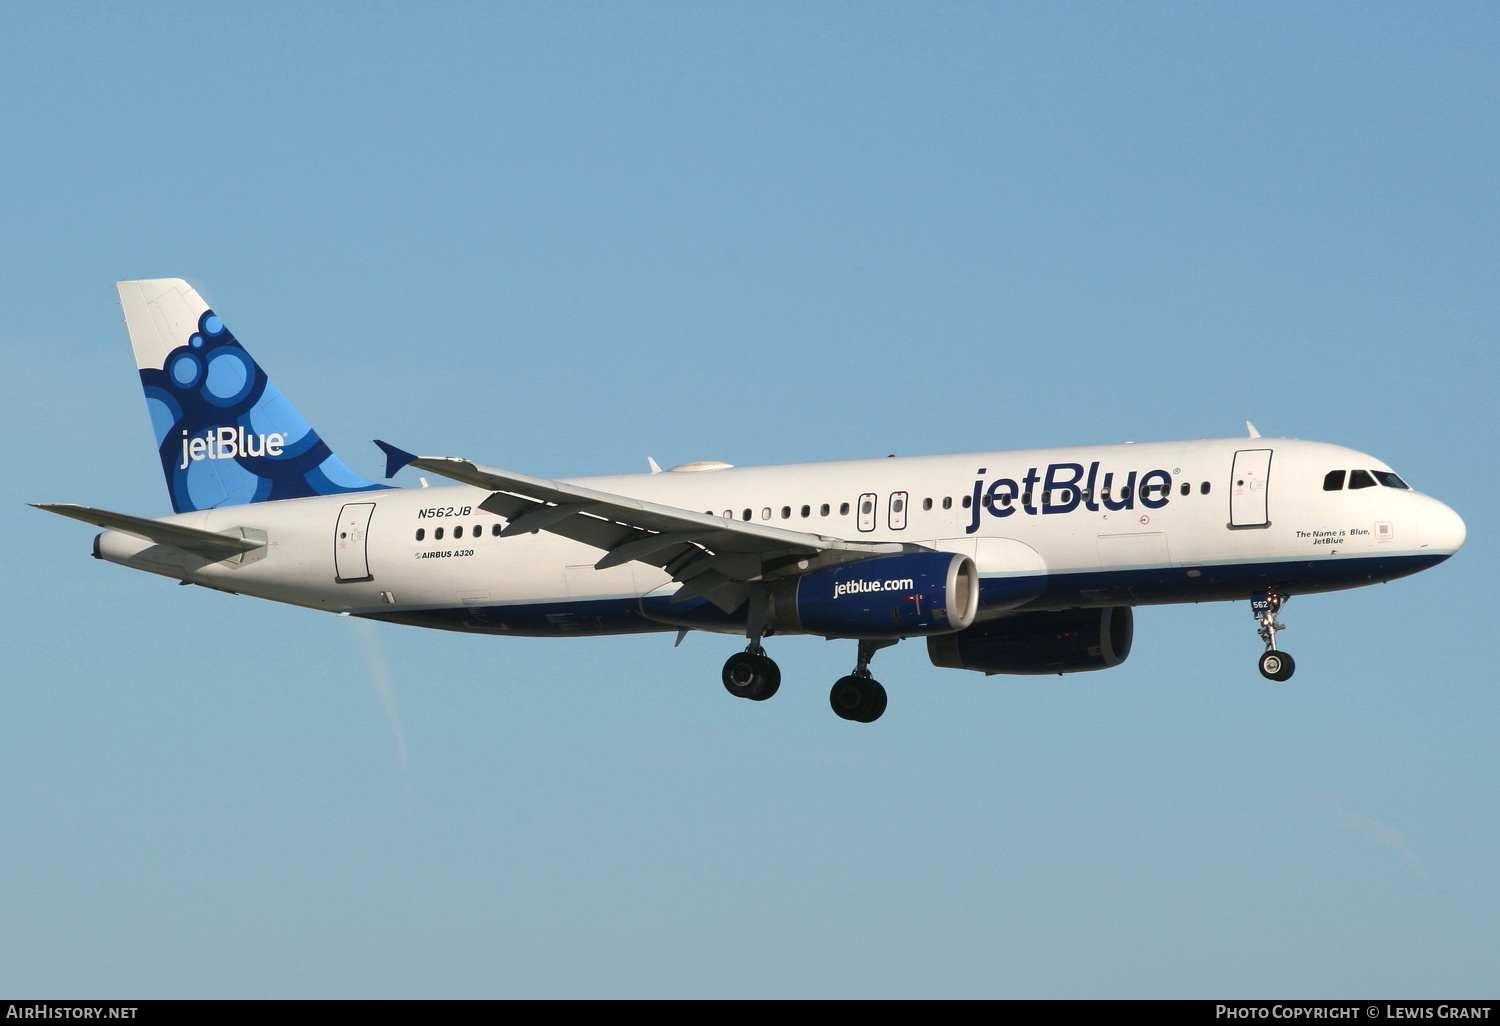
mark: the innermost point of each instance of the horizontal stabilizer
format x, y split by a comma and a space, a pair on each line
395, 458
207, 543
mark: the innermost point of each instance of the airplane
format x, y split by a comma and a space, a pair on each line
1022, 562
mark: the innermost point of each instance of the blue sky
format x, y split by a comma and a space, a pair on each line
562, 238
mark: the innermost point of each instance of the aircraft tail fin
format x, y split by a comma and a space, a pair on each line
224, 432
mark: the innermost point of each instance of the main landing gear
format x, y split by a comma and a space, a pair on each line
1274, 665
752, 674
859, 696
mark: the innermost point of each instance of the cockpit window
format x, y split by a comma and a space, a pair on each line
1334, 481
1389, 479
1361, 479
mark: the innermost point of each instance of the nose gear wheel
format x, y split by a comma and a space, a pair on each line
1274, 664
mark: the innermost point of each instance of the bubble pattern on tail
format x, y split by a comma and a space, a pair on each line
225, 433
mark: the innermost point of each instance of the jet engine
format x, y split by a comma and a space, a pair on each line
1068, 641
901, 596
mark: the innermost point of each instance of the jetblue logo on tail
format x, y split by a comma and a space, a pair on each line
226, 435
226, 443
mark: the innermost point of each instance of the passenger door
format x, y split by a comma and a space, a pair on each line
350, 539
1248, 482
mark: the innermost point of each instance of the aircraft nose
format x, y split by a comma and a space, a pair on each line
1441, 529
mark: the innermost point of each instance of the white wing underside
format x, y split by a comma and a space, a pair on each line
715, 557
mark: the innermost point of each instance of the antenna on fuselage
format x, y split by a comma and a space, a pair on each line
1251, 429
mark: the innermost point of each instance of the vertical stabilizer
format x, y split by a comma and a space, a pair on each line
224, 432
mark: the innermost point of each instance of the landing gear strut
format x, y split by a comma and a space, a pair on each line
1274, 665
859, 696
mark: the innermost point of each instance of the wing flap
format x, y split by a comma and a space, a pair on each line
731, 535
685, 543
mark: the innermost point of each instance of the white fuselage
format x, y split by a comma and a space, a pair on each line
1048, 528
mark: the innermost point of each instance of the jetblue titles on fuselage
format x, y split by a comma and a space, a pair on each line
1065, 487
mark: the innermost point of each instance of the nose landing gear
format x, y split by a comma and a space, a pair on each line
1274, 665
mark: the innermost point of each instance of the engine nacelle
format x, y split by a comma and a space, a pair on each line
902, 596
1069, 641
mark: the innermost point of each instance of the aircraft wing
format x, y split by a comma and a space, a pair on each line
715, 557
207, 543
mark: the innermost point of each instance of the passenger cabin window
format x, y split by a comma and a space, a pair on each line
1333, 481
495, 530
843, 509
806, 512
947, 502
786, 512
437, 535
458, 532
1186, 488
1361, 479
1203, 488
747, 514
926, 504
421, 533
823, 510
